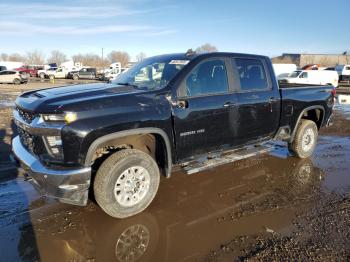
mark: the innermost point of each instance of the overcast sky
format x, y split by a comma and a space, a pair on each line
162, 26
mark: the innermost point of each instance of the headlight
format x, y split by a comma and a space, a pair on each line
67, 117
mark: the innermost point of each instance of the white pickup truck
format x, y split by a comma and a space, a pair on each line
313, 77
343, 72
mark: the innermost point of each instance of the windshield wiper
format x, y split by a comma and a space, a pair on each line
128, 84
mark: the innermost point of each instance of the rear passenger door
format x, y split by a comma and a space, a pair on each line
258, 99
204, 114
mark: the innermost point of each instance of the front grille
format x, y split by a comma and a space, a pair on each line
25, 115
26, 139
33, 143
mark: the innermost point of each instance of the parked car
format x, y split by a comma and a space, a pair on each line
3, 68
29, 70
163, 112
84, 73
343, 72
44, 73
114, 73
13, 77
58, 73
313, 77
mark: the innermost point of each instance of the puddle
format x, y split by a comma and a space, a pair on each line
343, 104
190, 215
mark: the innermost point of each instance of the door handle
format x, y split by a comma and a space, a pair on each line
272, 100
182, 104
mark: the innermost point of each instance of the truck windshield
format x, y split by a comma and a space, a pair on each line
294, 74
152, 73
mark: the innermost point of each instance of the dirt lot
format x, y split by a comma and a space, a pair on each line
272, 207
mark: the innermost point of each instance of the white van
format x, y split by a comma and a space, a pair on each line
283, 70
313, 77
343, 72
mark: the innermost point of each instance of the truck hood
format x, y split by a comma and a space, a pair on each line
64, 98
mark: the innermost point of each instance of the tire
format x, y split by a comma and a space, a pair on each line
305, 139
75, 77
114, 171
16, 81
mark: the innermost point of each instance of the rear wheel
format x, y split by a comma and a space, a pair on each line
126, 183
305, 139
75, 77
16, 81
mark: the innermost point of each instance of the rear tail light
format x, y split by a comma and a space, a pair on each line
334, 92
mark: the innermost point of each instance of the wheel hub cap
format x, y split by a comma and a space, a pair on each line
132, 186
308, 139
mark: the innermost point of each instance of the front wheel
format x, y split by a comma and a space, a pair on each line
75, 77
126, 183
16, 81
305, 139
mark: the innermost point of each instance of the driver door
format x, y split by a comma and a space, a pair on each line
205, 114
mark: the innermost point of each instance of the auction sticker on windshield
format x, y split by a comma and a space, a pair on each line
179, 62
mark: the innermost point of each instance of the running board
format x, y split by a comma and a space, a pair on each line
226, 157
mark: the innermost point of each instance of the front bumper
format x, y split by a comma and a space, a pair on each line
68, 185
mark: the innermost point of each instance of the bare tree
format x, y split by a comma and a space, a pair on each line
140, 56
325, 61
90, 60
16, 58
4, 57
57, 57
206, 48
35, 57
119, 56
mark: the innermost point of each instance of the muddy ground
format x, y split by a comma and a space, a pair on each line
271, 207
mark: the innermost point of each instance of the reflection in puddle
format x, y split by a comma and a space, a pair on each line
343, 104
132, 243
344, 99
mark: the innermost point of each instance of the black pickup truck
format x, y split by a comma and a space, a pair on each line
118, 138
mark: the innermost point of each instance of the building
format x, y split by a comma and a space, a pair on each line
305, 59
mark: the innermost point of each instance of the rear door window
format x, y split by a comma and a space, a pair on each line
252, 74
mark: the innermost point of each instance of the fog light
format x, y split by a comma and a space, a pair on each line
69, 187
54, 141
54, 145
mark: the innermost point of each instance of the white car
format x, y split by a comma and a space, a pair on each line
343, 72
58, 73
114, 73
313, 77
45, 72
13, 77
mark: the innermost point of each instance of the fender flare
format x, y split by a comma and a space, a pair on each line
138, 131
301, 115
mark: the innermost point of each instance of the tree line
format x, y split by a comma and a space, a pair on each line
37, 57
